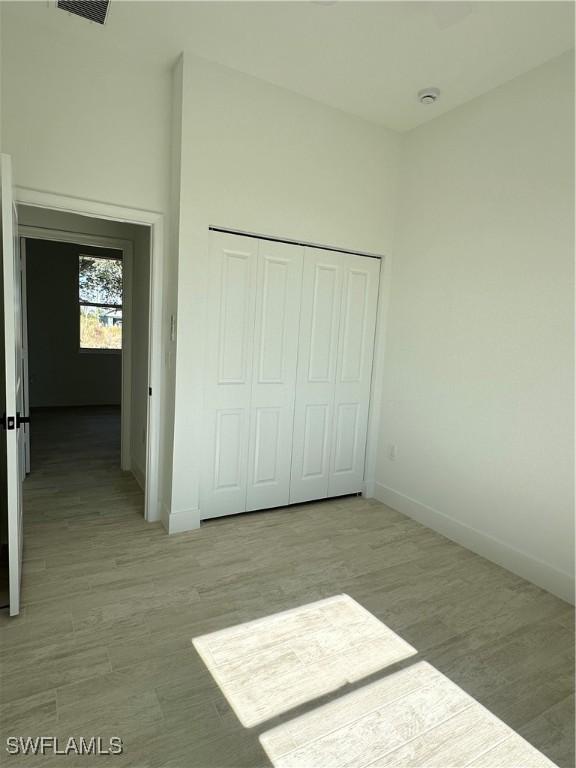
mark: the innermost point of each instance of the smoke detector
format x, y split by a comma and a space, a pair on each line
428, 95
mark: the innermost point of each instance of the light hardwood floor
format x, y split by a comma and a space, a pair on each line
111, 605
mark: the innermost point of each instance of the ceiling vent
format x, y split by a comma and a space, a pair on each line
93, 10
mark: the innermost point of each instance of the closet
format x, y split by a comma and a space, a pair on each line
289, 339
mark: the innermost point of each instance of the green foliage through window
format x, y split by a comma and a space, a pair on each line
100, 298
100, 280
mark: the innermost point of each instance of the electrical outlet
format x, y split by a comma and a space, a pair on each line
392, 452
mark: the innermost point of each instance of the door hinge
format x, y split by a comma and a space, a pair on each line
150, 391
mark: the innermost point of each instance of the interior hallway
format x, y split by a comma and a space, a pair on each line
103, 646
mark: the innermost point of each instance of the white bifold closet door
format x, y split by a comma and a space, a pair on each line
289, 338
228, 374
274, 374
252, 345
338, 318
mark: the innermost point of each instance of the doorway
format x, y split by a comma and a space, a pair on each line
49, 215
86, 322
53, 214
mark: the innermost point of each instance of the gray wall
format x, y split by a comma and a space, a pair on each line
60, 374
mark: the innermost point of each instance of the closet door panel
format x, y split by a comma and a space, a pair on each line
266, 447
228, 373
353, 373
230, 429
315, 383
274, 373
346, 437
316, 440
321, 352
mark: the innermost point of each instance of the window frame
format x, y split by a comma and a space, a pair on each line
99, 350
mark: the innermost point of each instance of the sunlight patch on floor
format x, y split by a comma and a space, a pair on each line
269, 666
413, 718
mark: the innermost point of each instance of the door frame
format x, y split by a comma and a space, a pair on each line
25, 371
155, 222
126, 247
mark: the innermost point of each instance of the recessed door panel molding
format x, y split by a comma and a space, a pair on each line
354, 373
316, 377
228, 451
235, 316
273, 319
323, 320
276, 330
228, 366
346, 437
267, 446
316, 448
353, 337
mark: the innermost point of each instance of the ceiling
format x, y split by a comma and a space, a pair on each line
365, 58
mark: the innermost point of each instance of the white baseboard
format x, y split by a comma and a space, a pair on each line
179, 522
139, 477
525, 565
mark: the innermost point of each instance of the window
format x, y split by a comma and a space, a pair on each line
100, 299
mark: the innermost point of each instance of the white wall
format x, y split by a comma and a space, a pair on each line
84, 118
257, 157
479, 351
79, 116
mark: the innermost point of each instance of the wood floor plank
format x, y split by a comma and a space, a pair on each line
111, 605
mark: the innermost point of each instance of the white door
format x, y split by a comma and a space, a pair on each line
274, 374
228, 374
316, 375
13, 404
353, 373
